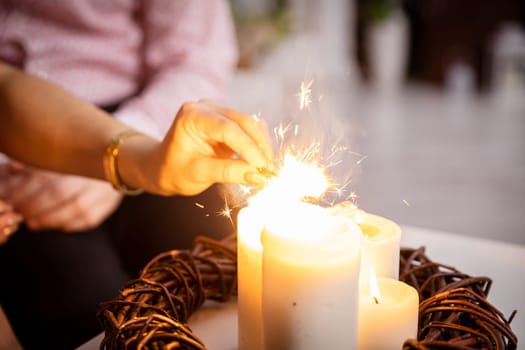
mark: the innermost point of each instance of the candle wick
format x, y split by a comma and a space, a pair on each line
375, 300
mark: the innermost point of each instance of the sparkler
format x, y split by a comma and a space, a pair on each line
298, 172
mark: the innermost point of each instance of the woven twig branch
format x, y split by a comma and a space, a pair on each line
151, 312
454, 313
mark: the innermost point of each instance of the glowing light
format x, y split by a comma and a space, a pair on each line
406, 202
295, 180
245, 190
226, 211
199, 205
305, 95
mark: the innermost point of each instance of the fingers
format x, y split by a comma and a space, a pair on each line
252, 126
9, 221
81, 205
230, 171
222, 130
26, 190
211, 144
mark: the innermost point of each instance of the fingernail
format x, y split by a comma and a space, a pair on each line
267, 172
254, 178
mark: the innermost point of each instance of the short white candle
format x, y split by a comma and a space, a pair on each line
249, 271
381, 243
310, 283
385, 322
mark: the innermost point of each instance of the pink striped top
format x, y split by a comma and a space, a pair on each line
156, 54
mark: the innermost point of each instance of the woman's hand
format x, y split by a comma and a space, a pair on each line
209, 144
70, 203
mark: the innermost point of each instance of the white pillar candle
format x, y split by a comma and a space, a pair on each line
381, 241
310, 280
381, 246
249, 270
388, 319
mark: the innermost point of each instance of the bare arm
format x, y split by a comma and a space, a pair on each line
43, 125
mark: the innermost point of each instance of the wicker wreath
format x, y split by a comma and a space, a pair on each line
152, 311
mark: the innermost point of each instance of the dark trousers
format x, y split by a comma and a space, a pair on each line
51, 283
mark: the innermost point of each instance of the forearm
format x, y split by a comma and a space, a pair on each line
43, 125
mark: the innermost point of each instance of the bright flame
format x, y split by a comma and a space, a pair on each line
374, 287
296, 179
286, 199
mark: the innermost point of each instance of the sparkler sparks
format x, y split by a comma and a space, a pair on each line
280, 131
226, 211
299, 178
361, 160
284, 135
305, 96
299, 172
245, 190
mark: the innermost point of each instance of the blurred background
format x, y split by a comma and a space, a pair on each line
424, 99
427, 98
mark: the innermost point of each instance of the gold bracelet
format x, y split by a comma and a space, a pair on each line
110, 164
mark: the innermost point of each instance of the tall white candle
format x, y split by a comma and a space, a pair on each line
310, 280
249, 271
389, 318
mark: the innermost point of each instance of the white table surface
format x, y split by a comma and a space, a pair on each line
504, 263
